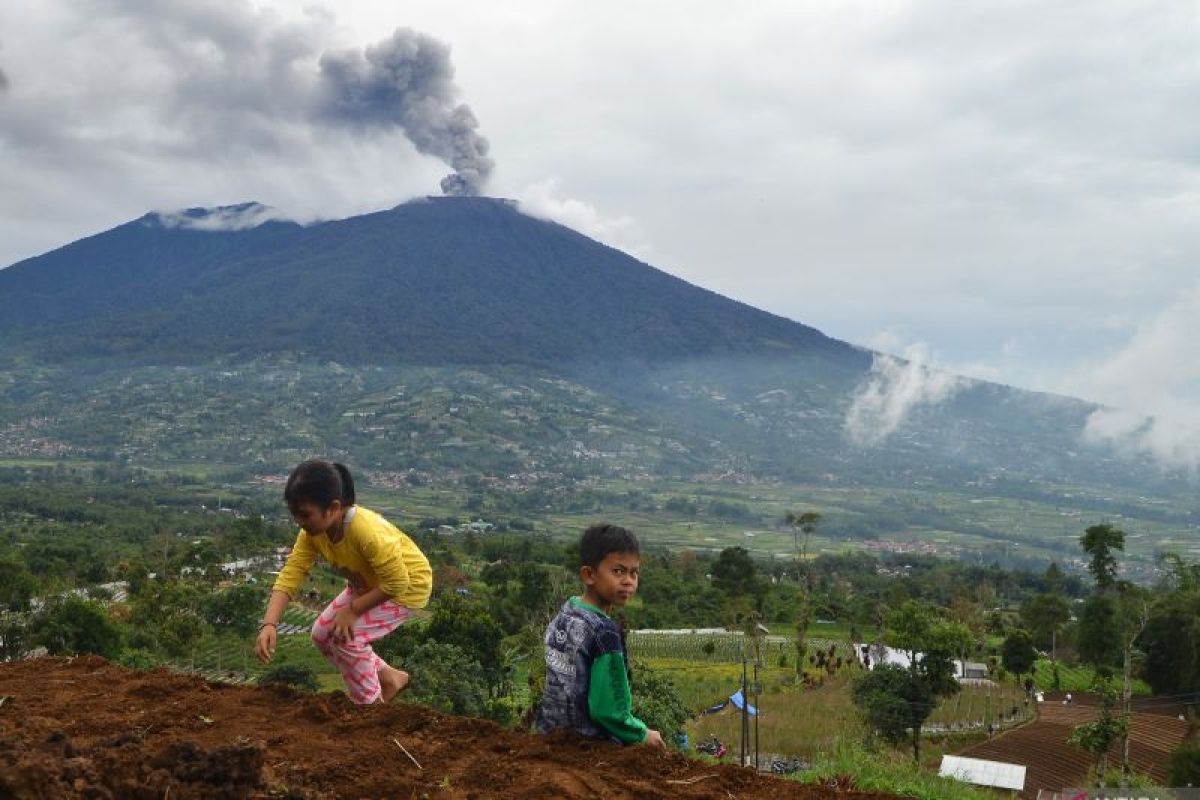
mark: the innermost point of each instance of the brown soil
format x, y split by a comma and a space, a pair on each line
85, 728
1053, 765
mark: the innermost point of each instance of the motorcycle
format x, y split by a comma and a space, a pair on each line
781, 766
712, 746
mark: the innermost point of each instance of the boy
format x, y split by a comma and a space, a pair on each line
587, 674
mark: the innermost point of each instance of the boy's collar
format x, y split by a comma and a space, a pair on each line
581, 603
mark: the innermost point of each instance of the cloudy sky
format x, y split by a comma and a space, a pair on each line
1007, 190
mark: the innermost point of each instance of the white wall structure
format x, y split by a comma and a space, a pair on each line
984, 773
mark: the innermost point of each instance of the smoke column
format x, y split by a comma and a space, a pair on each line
408, 81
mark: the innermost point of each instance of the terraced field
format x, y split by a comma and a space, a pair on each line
1053, 765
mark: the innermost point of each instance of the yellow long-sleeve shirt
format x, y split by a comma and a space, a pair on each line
374, 552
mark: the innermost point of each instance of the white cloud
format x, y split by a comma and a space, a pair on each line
225, 218
543, 199
893, 389
1151, 388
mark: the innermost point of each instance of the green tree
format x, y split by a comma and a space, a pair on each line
136, 574
802, 523
13, 635
1054, 579
1186, 576
445, 677
17, 585
165, 618
1099, 541
470, 627
75, 625
895, 702
298, 676
535, 594
1017, 653
1099, 736
1171, 643
656, 702
1099, 632
236, 609
734, 573
1184, 767
931, 644
1134, 604
910, 625
804, 616
1044, 615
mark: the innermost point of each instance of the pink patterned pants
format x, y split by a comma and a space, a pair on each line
354, 657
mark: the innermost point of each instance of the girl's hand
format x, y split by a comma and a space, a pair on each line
265, 646
343, 624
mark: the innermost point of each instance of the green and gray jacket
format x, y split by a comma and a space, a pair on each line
587, 677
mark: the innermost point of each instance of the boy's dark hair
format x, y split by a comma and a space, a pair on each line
600, 540
320, 483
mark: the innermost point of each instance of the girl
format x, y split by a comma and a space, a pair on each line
387, 576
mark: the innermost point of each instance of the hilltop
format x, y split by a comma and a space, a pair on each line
84, 728
433, 281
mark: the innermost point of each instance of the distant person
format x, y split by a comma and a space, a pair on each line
387, 576
587, 671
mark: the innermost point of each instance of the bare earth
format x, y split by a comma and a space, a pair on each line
85, 728
1053, 765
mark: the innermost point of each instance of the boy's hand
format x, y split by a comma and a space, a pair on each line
343, 624
654, 739
265, 646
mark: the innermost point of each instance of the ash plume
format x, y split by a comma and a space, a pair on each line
408, 81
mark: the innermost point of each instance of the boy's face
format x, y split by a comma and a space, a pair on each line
614, 581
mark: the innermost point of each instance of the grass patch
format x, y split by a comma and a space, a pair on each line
887, 771
791, 722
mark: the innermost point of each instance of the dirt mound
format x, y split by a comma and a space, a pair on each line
85, 728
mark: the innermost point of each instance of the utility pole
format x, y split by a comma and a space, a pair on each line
745, 710
1127, 693
757, 689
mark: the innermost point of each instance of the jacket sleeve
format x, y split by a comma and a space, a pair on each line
384, 555
299, 562
610, 704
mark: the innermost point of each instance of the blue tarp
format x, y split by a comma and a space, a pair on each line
736, 699
718, 707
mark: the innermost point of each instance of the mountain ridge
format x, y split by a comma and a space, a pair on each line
438, 280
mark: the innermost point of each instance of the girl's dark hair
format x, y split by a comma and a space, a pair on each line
320, 483
600, 540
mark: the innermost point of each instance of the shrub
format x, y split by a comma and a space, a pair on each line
1184, 767
75, 625
446, 678
656, 702
298, 676
137, 658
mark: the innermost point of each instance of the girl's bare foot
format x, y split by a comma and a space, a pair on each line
392, 682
